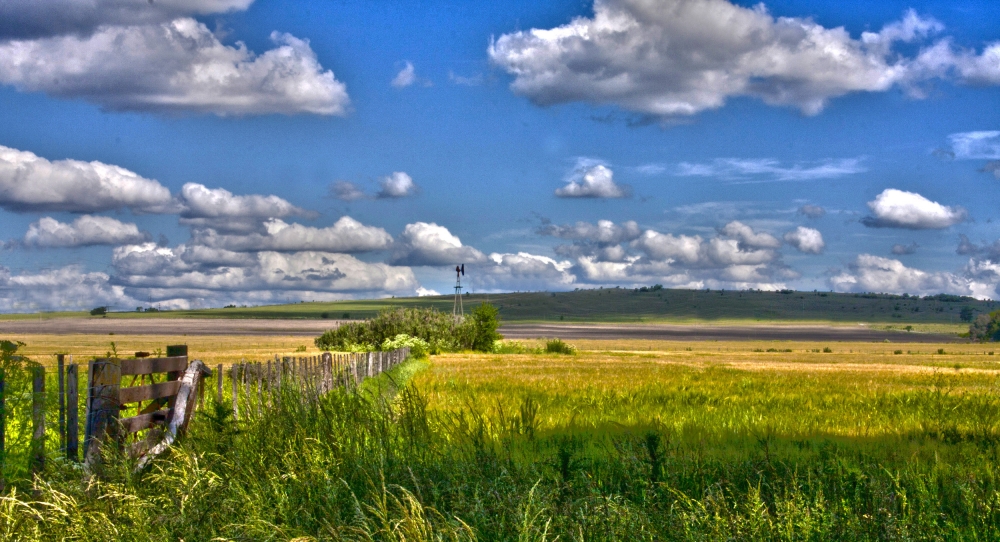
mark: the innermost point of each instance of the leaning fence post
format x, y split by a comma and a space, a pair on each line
73, 411
61, 363
38, 419
218, 385
103, 408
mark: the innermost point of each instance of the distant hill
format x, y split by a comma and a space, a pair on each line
646, 304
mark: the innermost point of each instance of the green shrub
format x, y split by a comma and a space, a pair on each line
480, 329
512, 347
418, 347
557, 346
439, 330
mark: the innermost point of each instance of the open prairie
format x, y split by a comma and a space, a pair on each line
638, 439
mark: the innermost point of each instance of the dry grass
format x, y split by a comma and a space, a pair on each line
212, 349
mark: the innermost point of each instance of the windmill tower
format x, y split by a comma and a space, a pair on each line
457, 310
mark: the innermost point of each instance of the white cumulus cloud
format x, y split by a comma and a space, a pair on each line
344, 236
423, 243
175, 66
521, 271
593, 182
29, 182
220, 209
162, 273
748, 238
397, 185
66, 288
900, 209
871, 273
680, 57
604, 231
86, 230
806, 240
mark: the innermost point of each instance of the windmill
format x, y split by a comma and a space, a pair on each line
457, 310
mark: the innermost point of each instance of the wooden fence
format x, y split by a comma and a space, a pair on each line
254, 383
147, 402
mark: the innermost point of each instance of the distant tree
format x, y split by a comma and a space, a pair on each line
967, 314
484, 323
986, 327
99, 311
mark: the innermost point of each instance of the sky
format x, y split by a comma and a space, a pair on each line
201, 153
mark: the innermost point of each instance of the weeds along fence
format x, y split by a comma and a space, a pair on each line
257, 385
145, 403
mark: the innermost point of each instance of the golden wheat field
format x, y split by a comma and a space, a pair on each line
793, 390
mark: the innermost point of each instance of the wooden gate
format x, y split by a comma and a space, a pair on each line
164, 407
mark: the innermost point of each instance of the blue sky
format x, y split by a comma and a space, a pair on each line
196, 153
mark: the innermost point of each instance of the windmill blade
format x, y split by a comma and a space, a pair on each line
463, 269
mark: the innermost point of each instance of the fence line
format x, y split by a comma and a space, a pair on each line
255, 387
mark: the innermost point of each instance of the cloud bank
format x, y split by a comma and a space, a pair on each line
344, 236
681, 57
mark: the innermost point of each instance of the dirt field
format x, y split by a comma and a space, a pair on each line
312, 328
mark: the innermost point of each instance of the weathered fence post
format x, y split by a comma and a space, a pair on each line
270, 384
38, 419
201, 392
103, 408
175, 350
73, 412
259, 370
247, 369
236, 392
61, 364
218, 385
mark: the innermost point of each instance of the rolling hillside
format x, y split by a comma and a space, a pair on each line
629, 305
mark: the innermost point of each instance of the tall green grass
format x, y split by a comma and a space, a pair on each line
382, 463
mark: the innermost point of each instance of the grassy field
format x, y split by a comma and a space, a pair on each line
649, 440
628, 305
